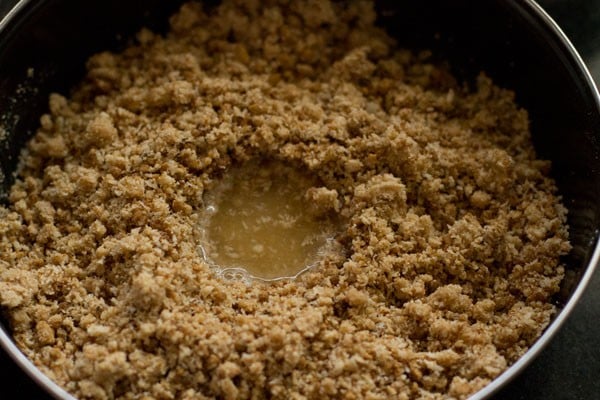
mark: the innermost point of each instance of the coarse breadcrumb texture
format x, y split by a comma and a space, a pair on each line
452, 237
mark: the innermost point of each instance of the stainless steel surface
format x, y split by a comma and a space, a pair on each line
561, 318
503, 379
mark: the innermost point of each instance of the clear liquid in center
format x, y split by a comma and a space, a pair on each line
256, 224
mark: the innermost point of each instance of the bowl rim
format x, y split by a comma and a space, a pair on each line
567, 48
530, 7
6, 342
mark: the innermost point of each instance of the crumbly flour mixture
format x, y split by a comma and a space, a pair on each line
451, 242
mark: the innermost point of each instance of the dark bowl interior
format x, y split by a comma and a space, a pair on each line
43, 49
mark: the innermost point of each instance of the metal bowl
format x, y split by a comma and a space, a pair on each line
515, 42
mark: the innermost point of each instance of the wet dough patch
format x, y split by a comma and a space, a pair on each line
267, 221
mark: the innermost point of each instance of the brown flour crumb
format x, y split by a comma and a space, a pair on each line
453, 231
